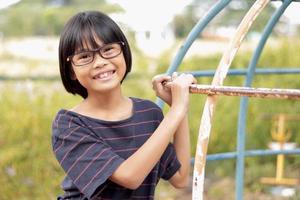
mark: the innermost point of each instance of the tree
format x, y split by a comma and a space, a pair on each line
230, 16
45, 17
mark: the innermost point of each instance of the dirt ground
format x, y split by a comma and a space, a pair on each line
223, 189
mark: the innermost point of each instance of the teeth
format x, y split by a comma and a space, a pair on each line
104, 75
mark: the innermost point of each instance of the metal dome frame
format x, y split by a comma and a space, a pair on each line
249, 73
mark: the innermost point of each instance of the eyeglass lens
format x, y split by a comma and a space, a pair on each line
107, 51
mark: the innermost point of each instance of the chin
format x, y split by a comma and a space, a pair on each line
109, 87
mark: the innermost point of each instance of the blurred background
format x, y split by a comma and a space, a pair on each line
31, 92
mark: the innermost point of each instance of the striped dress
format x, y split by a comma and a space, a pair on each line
89, 150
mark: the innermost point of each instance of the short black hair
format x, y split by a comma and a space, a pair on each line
82, 29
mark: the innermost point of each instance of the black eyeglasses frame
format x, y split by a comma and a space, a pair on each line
98, 50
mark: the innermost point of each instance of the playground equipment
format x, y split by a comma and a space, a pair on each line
280, 135
220, 74
245, 91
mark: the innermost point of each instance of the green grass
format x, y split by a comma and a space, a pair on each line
26, 115
28, 169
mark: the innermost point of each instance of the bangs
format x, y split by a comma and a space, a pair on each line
90, 33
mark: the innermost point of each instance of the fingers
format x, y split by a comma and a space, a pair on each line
174, 75
160, 78
162, 81
159, 81
183, 78
194, 80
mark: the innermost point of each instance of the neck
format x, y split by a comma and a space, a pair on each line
105, 101
111, 106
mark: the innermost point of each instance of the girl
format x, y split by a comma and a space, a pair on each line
112, 146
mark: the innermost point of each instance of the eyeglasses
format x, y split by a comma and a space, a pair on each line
106, 51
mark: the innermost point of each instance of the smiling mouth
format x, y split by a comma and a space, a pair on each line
104, 75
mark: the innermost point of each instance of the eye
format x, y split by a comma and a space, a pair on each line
108, 49
84, 55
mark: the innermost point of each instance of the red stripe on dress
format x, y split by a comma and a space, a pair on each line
148, 109
129, 149
90, 164
70, 122
65, 138
59, 115
122, 138
83, 189
132, 124
80, 157
139, 101
72, 148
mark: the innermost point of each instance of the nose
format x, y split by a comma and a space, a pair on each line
99, 61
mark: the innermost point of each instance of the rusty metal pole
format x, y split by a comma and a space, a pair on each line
246, 91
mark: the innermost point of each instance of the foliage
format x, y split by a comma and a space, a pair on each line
45, 17
27, 162
230, 16
28, 169
182, 24
225, 121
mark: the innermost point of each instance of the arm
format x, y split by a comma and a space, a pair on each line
132, 172
182, 147
181, 138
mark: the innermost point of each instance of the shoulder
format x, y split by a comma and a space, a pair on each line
66, 123
147, 110
141, 104
65, 119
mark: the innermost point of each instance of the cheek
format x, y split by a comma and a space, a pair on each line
79, 75
123, 70
121, 66
124, 67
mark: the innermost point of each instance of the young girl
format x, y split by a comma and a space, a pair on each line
112, 146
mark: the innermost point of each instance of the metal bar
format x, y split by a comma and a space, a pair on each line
209, 107
239, 72
194, 33
246, 91
241, 133
261, 152
249, 153
192, 36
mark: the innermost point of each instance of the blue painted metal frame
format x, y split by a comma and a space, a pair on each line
195, 32
249, 153
239, 72
241, 134
240, 153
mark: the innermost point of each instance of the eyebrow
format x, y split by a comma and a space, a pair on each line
82, 51
86, 50
84, 45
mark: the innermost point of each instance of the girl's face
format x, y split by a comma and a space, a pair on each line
101, 75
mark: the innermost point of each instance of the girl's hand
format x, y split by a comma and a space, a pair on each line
161, 91
175, 89
180, 89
